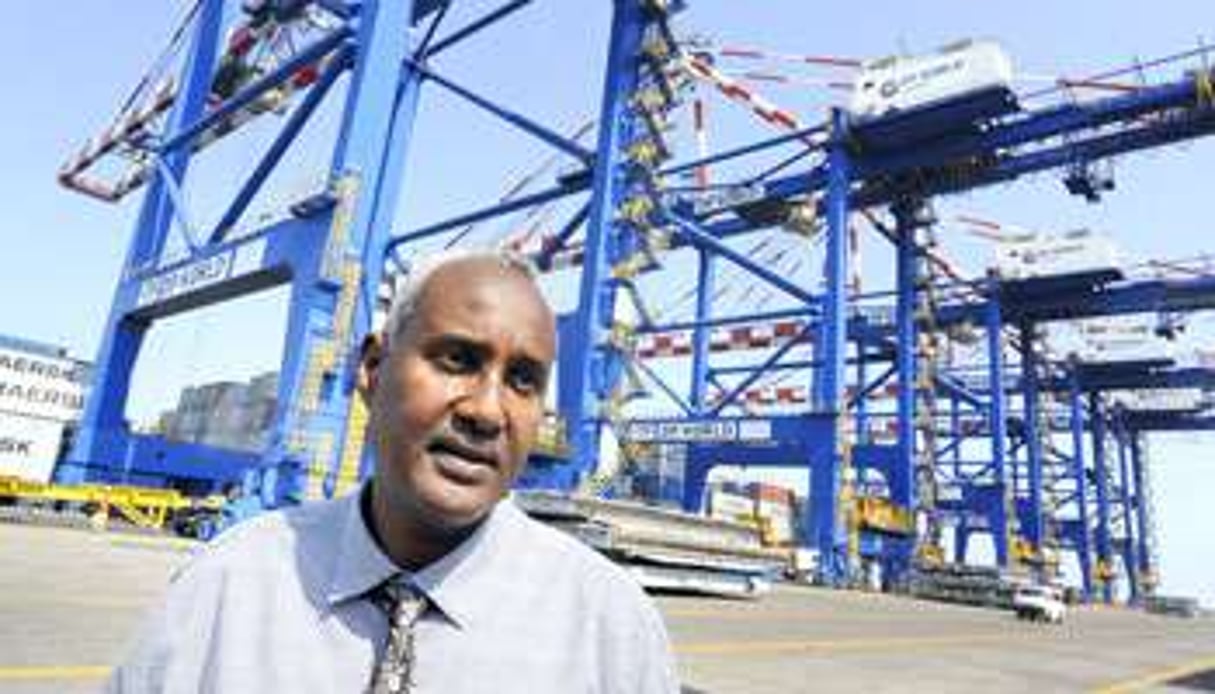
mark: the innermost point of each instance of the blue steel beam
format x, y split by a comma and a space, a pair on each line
276, 77
903, 476
1100, 471
798, 365
775, 357
1146, 569
1169, 421
1029, 394
860, 401
1135, 297
1076, 120
998, 422
419, 53
1040, 126
691, 410
684, 167
1099, 377
716, 321
1144, 296
103, 431
706, 281
367, 165
544, 259
496, 210
580, 400
295, 123
1083, 551
827, 527
473, 27
316, 255
177, 203
1130, 550
527, 125
698, 237
958, 391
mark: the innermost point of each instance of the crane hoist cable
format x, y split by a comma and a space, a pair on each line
720, 289
516, 187
174, 43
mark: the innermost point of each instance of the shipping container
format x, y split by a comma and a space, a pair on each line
29, 446
899, 83
1052, 255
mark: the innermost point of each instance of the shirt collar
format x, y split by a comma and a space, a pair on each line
462, 582
458, 584
359, 563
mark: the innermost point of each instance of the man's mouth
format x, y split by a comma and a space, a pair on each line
462, 459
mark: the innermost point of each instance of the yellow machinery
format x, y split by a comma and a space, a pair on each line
551, 439
930, 556
1104, 572
1023, 551
146, 508
881, 515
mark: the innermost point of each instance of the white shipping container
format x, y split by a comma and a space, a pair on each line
780, 519
1123, 339
1050, 255
40, 385
730, 506
29, 446
1162, 400
902, 82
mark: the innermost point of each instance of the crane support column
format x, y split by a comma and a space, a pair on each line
1033, 438
706, 275
1083, 538
102, 442
997, 416
1146, 568
1104, 556
903, 477
583, 400
1130, 551
827, 526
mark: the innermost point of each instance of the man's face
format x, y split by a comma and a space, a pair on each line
457, 398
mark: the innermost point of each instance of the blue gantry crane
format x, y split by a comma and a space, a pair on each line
636, 211
329, 251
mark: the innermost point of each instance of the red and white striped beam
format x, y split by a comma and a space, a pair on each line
735, 91
132, 122
772, 395
725, 339
750, 53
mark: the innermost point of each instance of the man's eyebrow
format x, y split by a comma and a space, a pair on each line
528, 361
454, 339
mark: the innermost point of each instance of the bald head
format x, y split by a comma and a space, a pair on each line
461, 264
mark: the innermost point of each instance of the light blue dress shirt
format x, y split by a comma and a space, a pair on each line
277, 604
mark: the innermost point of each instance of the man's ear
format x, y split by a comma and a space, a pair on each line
371, 353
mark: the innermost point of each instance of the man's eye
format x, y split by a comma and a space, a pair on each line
525, 379
457, 360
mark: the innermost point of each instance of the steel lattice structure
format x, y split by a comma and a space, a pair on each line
638, 211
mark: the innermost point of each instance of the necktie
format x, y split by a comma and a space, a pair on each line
403, 605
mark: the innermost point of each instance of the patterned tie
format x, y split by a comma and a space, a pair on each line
403, 605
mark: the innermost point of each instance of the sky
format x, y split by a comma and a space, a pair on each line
72, 69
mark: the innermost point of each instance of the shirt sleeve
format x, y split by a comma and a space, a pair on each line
170, 648
144, 667
635, 651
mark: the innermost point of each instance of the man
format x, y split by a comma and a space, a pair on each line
480, 597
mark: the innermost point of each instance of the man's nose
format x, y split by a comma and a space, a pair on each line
480, 412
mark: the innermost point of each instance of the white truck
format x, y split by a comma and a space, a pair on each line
1039, 603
